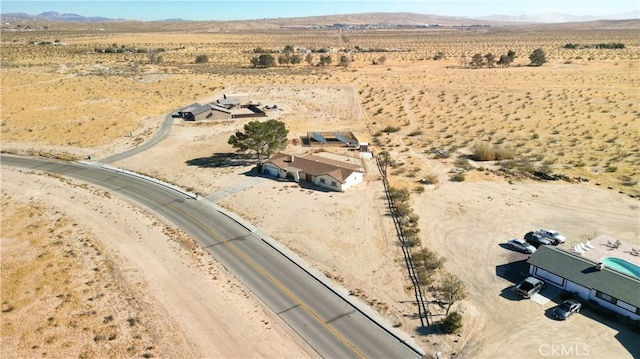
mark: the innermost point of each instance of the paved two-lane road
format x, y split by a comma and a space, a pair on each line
332, 326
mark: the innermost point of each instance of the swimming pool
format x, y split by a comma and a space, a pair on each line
622, 266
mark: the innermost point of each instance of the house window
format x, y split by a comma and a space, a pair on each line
322, 180
334, 184
606, 297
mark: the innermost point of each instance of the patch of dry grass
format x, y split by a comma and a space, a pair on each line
576, 115
60, 293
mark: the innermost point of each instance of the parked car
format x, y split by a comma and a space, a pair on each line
521, 245
529, 287
536, 239
568, 307
555, 237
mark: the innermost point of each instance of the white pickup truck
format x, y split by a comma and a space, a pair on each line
529, 287
554, 236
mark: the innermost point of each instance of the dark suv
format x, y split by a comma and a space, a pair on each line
536, 239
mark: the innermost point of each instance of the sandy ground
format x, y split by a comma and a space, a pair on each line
110, 280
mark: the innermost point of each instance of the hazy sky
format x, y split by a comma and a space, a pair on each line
240, 9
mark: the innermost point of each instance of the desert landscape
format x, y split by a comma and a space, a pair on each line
575, 117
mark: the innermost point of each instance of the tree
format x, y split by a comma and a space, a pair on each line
452, 322
295, 59
491, 59
345, 60
325, 60
476, 61
263, 138
284, 59
201, 59
452, 289
512, 55
504, 61
309, 59
288, 49
264, 60
537, 57
439, 56
384, 158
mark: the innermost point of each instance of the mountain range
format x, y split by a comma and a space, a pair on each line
542, 18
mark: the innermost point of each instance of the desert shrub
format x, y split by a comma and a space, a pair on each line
429, 179
399, 194
419, 189
502, 153
201, 59
484, 152
452, 322
390, 129
458, 177
416, 133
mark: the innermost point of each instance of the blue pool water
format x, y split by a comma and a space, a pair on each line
622, 266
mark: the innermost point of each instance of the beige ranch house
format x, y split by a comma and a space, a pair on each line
322, 172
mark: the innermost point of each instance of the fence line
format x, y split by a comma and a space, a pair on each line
423, 311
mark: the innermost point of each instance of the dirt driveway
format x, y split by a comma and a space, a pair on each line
469, 222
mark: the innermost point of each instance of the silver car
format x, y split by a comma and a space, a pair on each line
521, 245
568, 307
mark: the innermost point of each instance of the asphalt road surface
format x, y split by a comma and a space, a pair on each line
332, 326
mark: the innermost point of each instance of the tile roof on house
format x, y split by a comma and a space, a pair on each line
583, 271
315, 166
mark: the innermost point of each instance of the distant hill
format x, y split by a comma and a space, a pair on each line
555, 18
393, 19
53, 16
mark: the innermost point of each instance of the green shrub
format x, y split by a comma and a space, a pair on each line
458, 177
452, 322
201, 59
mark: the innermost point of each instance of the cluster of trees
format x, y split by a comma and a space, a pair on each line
268, 60
115, 49
478, 60
262, 138
612, 45
537, 58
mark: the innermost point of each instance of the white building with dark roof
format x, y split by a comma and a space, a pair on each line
588, 279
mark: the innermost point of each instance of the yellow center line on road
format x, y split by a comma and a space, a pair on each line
263, 272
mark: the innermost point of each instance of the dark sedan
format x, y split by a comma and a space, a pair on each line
536, 239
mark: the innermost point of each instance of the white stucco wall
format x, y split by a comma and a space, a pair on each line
353, 179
